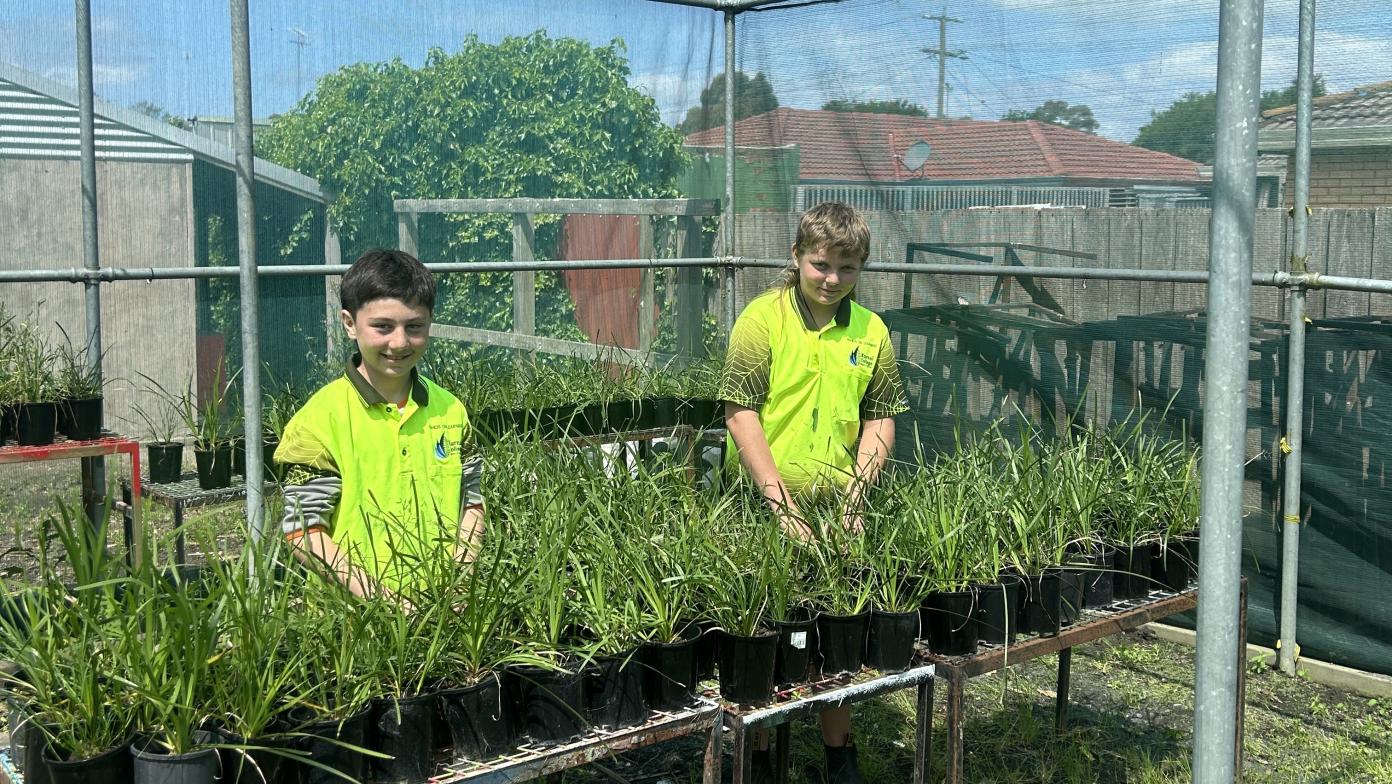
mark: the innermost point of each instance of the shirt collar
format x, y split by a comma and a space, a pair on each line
371, 396
842, 317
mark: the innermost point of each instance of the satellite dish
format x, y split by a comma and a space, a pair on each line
917, 155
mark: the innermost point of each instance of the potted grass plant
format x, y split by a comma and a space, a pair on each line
259, 678
9, 398
212, 423
1130, 517
34, 388
80, 386
64, 641
1177, 554
738, 601
168, 668
895, 585
164, 453
1032, 546
839, 587
340, 667
474, 694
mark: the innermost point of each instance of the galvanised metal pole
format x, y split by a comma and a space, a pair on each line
246, 257
1225, 396
729, 169
1287, 649
93, 468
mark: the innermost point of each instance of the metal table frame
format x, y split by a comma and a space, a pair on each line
1092, 625
530, 762
186, 494
805, 699
108, 444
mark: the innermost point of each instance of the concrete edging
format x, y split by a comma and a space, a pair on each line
1369, 684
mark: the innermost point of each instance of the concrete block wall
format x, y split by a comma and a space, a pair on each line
1360, 177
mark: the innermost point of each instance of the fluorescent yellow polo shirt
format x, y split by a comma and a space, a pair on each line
812, 387
386, 482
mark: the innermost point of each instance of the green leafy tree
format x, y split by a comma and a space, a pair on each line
530, 116
1186, 127
1076, 116
897, 106
157, 112
753, 95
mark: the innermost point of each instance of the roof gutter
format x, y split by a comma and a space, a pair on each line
1342, 137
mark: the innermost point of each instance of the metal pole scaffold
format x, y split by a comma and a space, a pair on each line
246, 257
728, 214
1288, 650
93, 468
1225, 398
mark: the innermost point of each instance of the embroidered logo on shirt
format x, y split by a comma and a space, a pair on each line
855, 356
440, 452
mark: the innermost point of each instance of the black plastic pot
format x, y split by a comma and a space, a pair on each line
746, 667
402, 728
81, 420
841, 642
1098, 582
708, 649
889, 645
36, 424
480, 718
327, 742
214, 467
239, 456
258, 761
998, 610
28, 747
1071, 584
9, 413
551, 703
665, 411
950, 617
1133, 568
166, 461
152, 766
1041, 603
797, 639
113, 766
615, 691
671, 671
704, 414
268, 449
1175, 566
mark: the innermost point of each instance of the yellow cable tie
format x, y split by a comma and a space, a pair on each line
1285, 446
1293, 519
1308, 320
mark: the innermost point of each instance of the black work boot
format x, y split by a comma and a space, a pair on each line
760, 767
841, 764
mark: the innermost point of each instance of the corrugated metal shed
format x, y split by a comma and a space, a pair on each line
38, 120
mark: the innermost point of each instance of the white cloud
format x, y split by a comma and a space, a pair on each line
102, 75
673, 92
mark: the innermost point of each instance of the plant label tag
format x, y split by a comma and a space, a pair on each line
798, 640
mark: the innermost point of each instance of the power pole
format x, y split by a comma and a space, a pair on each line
943, 53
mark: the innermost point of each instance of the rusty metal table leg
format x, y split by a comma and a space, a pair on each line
711, 774
128, 523
1065, 670
782, 746
1241, 677
956, 683
739, 763
923, 734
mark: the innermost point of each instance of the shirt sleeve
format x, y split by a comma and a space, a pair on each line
312, 485
885, 396
471, 479
744, 378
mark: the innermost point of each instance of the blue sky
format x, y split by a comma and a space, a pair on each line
1123, 58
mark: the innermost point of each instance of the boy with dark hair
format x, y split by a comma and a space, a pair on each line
380, 467
811, 388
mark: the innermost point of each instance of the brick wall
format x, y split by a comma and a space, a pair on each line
1346, 178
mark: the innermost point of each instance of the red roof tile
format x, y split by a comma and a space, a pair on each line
849, 146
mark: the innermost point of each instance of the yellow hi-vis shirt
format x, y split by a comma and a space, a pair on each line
812, 387
388, 483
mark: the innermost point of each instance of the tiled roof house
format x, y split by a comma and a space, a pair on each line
842, 154
1350, 146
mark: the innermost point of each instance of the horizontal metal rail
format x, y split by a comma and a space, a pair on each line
1279, 279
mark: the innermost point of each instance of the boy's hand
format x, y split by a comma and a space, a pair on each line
795, 527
